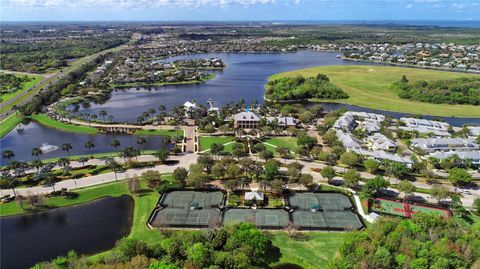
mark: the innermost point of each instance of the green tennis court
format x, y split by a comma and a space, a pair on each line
177, 217
265, 218
325, 201
185, 199
344, 220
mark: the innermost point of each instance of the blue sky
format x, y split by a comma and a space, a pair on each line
227, 10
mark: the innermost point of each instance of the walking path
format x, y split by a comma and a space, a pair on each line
186, 160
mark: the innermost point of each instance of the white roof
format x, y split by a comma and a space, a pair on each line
425, 123
440, 143
382, 155
474, 156
286, 121
380, 141
253, 195
366, 115
187, 104
348, 141
246, 116
345, 121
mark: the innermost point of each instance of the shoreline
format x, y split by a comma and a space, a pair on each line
135, 84
436, 110
412, 66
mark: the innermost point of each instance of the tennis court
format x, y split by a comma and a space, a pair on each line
185, 199
404, 209
177, 217
264, 218
325, 201
338, 220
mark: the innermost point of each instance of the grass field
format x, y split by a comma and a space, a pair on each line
312, 250
8, 124
169, 132
206, 142
35, 79
49, 122
289, 142
369, 86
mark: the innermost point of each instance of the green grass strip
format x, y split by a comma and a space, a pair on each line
9, 124
169, 132
49, 122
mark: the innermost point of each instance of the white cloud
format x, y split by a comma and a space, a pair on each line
139, 3
409, 6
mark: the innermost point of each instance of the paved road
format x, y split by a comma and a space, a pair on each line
186, 159
53, 78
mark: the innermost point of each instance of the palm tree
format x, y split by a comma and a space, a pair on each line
37, 152
10, 181
37, 164
67, 147
83, 160
89, 145
113, 165
8, 154
115, 143
141, 141
103, 113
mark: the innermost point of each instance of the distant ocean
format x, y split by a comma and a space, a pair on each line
435, 23
432, 23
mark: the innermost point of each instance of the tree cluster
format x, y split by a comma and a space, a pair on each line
239, 246
425, 241
455, 91
298, 87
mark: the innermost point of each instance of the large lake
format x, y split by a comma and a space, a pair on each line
244, 77
87, 229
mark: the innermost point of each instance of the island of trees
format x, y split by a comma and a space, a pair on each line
454, 91
299, 87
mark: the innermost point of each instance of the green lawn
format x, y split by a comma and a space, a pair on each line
289, 142
35, 79
85, 195
369, 86
49, 122
8, 124
206, 142
169, 132
311, 251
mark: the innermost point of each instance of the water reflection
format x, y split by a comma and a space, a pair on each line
88, 228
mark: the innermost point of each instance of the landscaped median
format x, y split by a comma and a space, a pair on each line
167, 132
25, 86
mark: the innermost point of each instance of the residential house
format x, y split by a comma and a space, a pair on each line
444, 144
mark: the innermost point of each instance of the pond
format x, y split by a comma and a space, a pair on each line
50, 140
89, 228
244, 77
